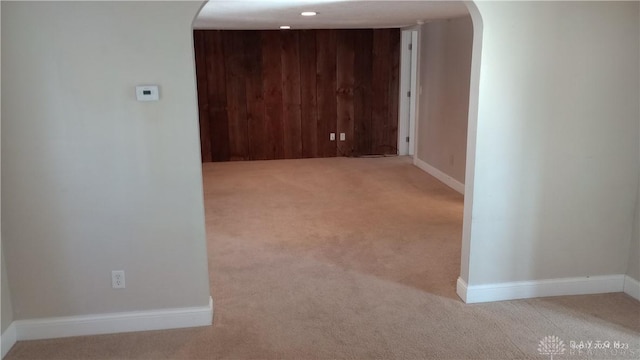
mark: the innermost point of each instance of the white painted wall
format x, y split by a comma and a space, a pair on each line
556, 161
94, 181
633, 269
445, 68
7, 308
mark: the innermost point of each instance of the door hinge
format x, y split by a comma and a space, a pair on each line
407, 139
408, 93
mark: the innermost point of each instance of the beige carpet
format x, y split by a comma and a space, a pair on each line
349, 259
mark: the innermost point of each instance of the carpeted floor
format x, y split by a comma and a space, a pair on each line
350, 259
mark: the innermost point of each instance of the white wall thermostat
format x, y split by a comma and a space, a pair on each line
147, 93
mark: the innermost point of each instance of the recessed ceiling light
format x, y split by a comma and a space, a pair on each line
308, 13
285, 27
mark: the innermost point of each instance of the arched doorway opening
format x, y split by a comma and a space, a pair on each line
470, 142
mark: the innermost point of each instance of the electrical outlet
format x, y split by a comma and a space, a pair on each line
332, 136
117, 279
343, 136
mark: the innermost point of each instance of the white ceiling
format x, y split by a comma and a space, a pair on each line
270, 14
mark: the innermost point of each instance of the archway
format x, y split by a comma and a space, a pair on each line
470, 149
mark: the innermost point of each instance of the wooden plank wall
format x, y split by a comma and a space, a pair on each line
278, 94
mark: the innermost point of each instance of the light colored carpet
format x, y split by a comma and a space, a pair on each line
349, 259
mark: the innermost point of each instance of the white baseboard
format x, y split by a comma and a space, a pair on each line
444, 178
8, 339
632, 287
541, 288
461, 289
48, 328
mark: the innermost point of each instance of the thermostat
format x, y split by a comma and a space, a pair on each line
147, 93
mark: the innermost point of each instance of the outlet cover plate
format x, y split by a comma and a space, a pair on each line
117, 279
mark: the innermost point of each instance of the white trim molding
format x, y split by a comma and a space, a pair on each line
8, 339
49, 328
632, 287
444, 178
542, 288
461, 289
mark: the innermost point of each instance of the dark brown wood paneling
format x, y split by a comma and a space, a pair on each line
279, 94
308, 86
217, 92
362, 95
291, 95
258, 131
345, 89
203, 96
272, 90
236, 95
326, 91
380, 91
393, 96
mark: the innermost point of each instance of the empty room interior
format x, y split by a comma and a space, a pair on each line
316, 179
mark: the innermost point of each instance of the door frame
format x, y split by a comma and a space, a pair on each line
409, 92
